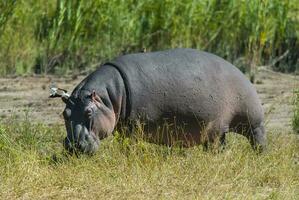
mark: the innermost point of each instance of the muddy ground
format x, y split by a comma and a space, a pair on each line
28, 97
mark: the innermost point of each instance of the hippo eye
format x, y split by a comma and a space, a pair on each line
67, 113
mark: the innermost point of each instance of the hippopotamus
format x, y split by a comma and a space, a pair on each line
200, 96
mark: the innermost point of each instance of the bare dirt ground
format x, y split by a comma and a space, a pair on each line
28, 96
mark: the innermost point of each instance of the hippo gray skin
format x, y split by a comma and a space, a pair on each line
197, 91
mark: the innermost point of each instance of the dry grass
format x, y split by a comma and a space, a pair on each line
33, 166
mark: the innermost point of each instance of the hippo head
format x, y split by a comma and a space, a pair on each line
87, 120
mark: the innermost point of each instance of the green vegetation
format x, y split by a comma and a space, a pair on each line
33, 165
60, 36
295, 120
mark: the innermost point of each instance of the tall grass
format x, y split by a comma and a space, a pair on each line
61, 35
6, 11
34, 166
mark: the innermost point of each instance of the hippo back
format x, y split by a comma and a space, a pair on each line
181, 82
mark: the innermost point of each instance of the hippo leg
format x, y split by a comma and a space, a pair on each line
214, 136
222, 139
257, 138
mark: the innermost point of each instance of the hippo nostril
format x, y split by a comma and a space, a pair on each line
88, 112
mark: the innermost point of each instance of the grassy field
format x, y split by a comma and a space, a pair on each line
70, 37
34, 166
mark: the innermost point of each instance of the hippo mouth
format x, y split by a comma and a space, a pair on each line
81, 141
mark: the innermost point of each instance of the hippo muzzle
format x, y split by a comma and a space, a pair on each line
82, 140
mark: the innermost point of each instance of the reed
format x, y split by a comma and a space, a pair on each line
61, 36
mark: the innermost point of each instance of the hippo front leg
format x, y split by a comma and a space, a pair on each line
214, 135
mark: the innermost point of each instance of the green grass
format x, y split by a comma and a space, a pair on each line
33, 166
61, 36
